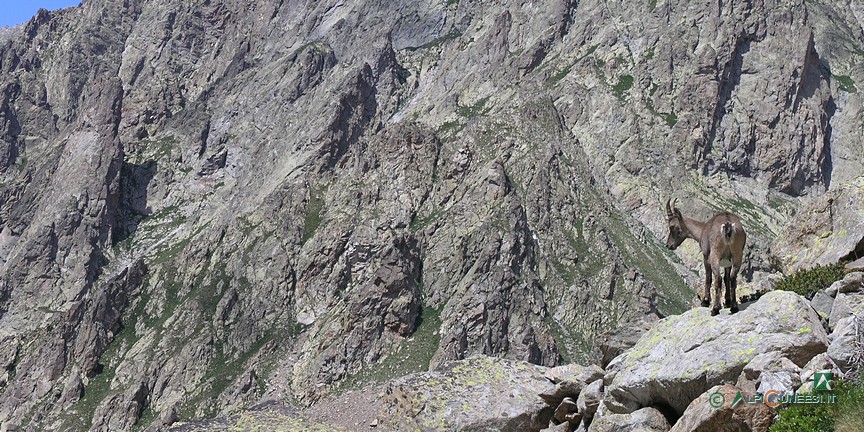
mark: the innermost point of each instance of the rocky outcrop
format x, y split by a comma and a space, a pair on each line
711, 412
645, 420
479, 393
847, 345
828, 229
679, 363
683, 356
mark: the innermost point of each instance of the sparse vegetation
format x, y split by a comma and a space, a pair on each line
807, 282
652, 5
452, 34
312, 218
846, 415
625, 82
412, 355
418, 223
558, 76
474, 110
650, 54
671, 119
846, 83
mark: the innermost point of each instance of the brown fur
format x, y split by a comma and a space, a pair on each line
722, 240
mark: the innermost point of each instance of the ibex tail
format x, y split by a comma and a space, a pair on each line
727, 230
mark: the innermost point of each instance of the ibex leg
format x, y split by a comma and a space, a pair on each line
718, 282
706, 295
734, 283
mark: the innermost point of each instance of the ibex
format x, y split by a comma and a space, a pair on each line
722, 241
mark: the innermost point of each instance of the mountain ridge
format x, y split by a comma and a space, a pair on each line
282, 191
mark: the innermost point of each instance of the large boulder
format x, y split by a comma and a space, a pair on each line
569, 381
852, 282
643, 420
822, 304
846, 341
612, 343
477, 394
770, 371
713, 412
685, 355
589, 399
845, 305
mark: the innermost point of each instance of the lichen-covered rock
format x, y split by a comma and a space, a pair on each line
826, 230
413, 180
683, 356
847, 341
569, 381
845, 306
712, 413
643, 420
269, 419
589, 399
610, 344
822, 303
852, 282
479, 393
770, 371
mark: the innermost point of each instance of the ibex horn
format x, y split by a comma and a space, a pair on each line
669, 212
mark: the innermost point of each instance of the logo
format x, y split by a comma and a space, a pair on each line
738, 399
717, 400
822, 381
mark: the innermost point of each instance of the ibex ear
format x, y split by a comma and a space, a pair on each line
678, 214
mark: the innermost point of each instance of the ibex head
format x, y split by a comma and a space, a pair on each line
677, 230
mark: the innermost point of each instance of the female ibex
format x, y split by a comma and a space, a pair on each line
722, 241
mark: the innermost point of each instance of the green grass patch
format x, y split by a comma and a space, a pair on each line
652, 5
846, 415
412, 355
846, 83
558, 76
625, 82
419, 223
474, 110
671, 119
450, 126
807, 282
452, 34
312, 217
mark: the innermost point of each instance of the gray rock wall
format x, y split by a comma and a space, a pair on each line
314, 195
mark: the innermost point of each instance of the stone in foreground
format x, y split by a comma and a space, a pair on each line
713, 412
685, 355
477, 394
643, 420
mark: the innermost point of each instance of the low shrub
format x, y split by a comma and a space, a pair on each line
846, 415
807, 282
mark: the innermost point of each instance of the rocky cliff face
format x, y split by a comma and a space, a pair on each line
213, 203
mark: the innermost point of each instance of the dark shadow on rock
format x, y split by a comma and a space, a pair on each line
132, 203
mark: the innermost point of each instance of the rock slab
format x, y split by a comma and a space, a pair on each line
685, 355
479, 393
